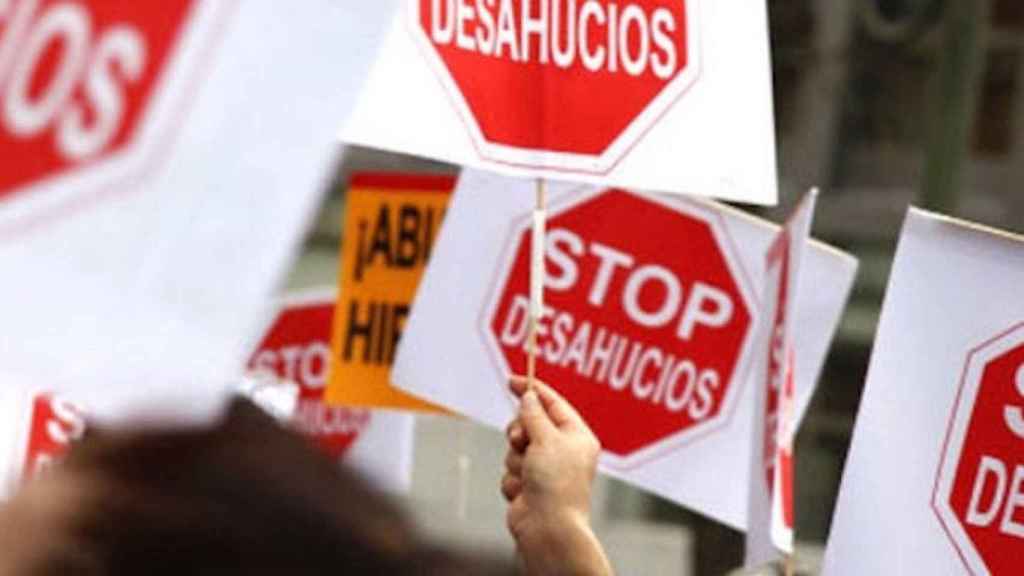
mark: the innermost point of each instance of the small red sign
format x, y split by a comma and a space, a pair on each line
647, 319
54, 425
298, 349
979, 495
573, 85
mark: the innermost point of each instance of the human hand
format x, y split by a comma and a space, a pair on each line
550, 468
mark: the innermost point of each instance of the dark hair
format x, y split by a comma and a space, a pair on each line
245, 497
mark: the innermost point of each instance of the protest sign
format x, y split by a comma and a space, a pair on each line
38, 430
627, 94
296, 350
770, 500
641, 93
391, 222
160, 163
651, 310
934, 481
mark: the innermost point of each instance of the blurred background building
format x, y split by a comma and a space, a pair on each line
881, 103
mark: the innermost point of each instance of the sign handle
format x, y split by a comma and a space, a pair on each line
465, 465
790, 564
537, 272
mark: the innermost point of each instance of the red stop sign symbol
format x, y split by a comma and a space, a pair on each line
298, 349
77, 78
565, 84
647, 321
979, 494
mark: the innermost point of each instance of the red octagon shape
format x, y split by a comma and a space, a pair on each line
979, 490
647, 323
77, 79
564, 84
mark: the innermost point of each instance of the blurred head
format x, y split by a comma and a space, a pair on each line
245, 497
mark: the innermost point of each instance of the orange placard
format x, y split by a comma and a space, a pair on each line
391, 223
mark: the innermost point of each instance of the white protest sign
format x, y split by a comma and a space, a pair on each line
383, 449
934, 481
38, 429
770, 500
296, 349
158, 171
651, 308
667, 96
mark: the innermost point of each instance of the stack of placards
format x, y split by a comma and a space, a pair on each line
645, 308
296, 351
649, 326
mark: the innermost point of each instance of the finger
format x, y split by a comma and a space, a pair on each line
515, 515
514, 463
562, 413
517, 438
519, 385
534, 418
560, 410
511, 487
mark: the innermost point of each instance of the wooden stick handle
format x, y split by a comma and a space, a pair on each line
537, 272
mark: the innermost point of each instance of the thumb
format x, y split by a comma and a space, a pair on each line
534, 418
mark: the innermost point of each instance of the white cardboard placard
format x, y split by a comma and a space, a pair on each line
383, 451
38, 431
15, 413
715, 116
770, 501
458, 370
952, 305
135, 281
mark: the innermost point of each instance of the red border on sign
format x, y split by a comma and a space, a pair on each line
564, 203
949, 430
405, 182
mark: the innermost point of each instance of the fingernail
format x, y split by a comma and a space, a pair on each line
530, 398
